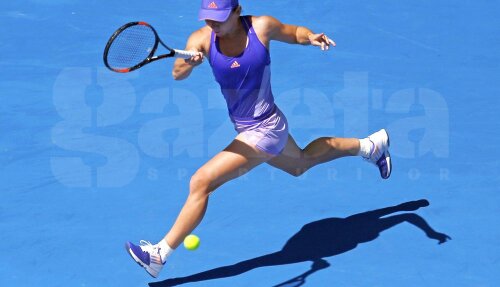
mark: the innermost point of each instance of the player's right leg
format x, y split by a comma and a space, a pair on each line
234, 161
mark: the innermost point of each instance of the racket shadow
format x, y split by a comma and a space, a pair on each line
320, 239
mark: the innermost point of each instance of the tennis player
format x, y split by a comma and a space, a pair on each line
237, 49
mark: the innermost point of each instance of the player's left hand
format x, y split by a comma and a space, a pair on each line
321, 40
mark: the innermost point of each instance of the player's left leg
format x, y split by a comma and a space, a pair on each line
296, 161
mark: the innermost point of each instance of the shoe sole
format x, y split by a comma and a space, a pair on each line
387, 155
389, 164
139, 261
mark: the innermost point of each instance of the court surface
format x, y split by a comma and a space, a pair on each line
91, 159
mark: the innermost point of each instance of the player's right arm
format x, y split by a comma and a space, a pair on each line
197, 42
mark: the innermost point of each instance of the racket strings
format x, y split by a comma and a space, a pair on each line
132, 46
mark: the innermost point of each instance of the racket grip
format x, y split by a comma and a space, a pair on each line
184, 54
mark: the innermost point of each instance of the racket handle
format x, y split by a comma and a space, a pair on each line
184, 54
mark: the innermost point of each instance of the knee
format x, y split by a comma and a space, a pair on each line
296, 172
199, 185
298, 166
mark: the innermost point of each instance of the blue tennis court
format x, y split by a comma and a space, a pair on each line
91, 159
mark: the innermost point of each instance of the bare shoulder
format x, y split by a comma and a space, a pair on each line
200, 39
203, 32
265, 23
265, 26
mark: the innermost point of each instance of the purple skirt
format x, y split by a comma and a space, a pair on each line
269, 134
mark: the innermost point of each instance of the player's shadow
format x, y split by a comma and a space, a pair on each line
320, 239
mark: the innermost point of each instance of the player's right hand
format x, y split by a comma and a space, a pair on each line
196, 59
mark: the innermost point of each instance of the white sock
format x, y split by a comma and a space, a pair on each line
165, 250
365, 147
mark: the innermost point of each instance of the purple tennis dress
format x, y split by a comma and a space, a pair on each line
245, 82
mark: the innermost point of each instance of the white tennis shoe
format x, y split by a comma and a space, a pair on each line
146, 255
379, 155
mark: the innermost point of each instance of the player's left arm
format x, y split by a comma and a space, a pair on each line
293, 34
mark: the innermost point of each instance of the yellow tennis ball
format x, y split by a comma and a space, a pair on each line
191, 242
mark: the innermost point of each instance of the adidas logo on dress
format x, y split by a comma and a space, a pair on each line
235, 64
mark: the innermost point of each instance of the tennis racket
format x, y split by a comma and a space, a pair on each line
134, 45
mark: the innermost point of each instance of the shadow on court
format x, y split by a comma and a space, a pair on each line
320, 239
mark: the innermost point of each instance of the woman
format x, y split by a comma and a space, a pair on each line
237, 48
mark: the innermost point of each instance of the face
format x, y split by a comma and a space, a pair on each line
224, 28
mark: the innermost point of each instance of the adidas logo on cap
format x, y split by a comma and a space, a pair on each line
212, 5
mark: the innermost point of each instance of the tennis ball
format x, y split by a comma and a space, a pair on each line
191, 242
